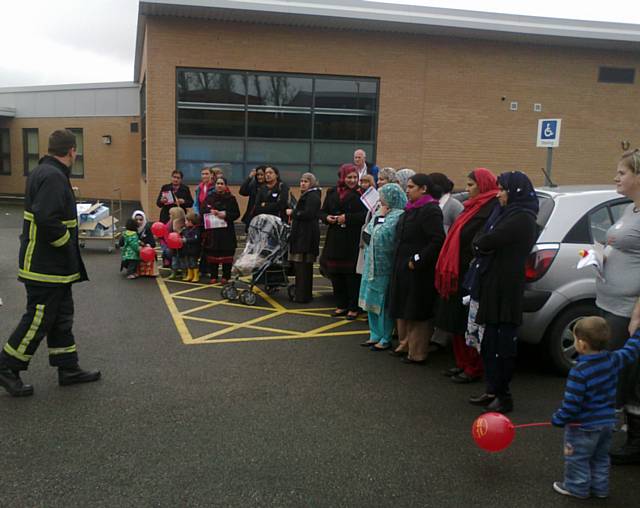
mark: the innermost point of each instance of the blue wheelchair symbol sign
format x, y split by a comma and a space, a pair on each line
549, 130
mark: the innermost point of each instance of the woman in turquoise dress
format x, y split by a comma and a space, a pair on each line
378, 265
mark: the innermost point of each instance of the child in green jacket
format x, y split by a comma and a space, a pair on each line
130, 249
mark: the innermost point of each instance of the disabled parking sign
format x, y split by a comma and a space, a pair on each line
548, 132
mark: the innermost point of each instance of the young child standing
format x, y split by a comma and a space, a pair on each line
177, 225
191, 247
588, 409
130, 249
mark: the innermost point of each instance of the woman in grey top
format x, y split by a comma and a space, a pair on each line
618, 297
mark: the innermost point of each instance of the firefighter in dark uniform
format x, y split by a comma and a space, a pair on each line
49, 263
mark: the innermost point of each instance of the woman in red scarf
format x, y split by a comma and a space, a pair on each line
344, 213
455, 256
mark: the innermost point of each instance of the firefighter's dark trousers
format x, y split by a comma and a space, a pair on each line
49, 313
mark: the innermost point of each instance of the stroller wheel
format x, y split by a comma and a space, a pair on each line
271, 290
291, 292
230, 292
248, 298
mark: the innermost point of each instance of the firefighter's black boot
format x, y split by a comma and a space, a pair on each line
75, 375
10, 381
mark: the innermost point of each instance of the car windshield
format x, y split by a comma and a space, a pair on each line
546, 207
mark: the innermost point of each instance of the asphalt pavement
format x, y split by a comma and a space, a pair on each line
308, 422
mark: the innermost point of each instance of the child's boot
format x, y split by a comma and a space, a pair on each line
196, 275
173, 275
187, 275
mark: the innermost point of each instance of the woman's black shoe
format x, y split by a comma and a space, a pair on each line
378, 349
453, 371
406, 359
398, 354
502, 405
464, 378
367, 343
482, 400
352, 317
339, 313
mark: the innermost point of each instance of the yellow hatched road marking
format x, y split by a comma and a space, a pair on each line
281, 337
238, 326
252, 327
185, 335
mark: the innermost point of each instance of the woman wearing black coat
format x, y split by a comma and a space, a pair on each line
501, 251
219, 244
345, 213
452, 266
272, 197
304, 242
250, 188
413, 296
173, 194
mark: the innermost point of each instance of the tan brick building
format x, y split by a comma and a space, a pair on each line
96, 113
302, 84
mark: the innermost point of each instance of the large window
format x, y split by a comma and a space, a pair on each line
5, 152
237, 120
77, 171
30, 149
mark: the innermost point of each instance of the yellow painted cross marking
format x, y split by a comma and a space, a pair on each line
273, 309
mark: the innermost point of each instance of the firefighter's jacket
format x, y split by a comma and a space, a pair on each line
49, 249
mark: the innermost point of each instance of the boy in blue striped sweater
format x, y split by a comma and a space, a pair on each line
588, 409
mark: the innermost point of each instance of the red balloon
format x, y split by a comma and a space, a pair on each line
159, 229
493, 432
174, 240
147, 254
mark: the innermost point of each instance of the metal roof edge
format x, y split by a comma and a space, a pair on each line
70, 86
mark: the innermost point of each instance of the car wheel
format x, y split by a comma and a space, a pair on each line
559, 336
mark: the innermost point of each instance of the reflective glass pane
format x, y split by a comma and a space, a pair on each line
202, 149
336, 93
279, 125
4, 141
283, 151
600, 222
617, 210
344, 127
337, 153
78, 167
211, 86
202, 122
32, 142
327, 175
32, 162
290, 173
79, 141
233, 172
5, 165
279, 90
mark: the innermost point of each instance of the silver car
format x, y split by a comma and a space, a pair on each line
557, 294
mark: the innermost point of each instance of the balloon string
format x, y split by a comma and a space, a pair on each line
541, 424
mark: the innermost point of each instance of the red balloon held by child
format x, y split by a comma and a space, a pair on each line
159, 229
147, 254
493, 432
174, 240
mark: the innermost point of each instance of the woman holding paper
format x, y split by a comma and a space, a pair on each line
219, 237
304, 242
412, 297
174, 194
378, 265
618, 297
344, 213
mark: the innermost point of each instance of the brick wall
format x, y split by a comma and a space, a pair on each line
106, 167
440, 98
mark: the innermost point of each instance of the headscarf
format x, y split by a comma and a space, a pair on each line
144, 220
521, 197
396, 200
343, 190
389, 174
403, 177
313, 181
448, 265
394, 196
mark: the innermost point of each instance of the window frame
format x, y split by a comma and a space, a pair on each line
79, 156
25, 147
5, 155
247, 108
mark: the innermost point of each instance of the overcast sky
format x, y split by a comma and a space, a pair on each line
48, 42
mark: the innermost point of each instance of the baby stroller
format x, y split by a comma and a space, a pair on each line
264, 258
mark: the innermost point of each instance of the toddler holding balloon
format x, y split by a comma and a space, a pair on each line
190, 251
588, 409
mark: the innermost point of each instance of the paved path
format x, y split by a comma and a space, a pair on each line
306, 422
